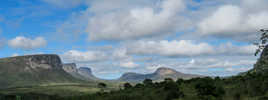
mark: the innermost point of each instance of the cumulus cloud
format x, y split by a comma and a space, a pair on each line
128, 64
184, 48
235, 21
142, 21
230, 49
120, 53
118, 57
65, 3
136, 22
25, 43
205, 66
88, 56
170, 48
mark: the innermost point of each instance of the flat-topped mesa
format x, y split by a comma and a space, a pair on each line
45, 61
87, 72
32, 70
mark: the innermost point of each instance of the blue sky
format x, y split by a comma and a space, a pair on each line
117, 36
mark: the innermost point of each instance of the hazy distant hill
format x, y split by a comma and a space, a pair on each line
158, 75
32, 70
82, 73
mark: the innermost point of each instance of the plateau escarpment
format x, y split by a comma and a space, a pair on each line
32, 70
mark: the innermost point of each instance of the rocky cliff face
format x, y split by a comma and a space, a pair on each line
86, 72
83, 73
70, 68
159, 75
32, 62
32, 70
165, 71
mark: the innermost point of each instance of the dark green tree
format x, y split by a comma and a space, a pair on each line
262, 42
148, 82
127, 86
102, 86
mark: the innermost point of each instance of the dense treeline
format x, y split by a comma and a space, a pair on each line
251, 86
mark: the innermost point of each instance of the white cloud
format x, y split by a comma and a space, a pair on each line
170, 48
225, 19
88, 56
24, 43
15, 54
187, 48
206, 65
135, 23
230, 49
234, 21
254, 5
128, 64
120, 54
142, 21
65, 3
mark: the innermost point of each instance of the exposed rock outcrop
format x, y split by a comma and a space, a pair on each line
32, 70
83, 73
86, 72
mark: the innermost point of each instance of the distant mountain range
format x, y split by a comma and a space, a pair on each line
48, 68
158, 75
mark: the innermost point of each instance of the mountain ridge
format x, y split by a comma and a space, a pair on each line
160, 74
83, 73
32, 70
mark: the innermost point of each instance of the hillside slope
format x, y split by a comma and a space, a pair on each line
31, 70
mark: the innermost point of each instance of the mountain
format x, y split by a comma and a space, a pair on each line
82, 73
86, 72
32, 70
72, 70
158, 75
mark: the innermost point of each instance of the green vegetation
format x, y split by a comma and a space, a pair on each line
253, 86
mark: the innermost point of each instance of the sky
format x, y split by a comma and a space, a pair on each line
112, 37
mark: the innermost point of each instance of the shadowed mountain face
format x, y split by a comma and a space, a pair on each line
32, 70
86, 72
158, 75
82, 73
72, 70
